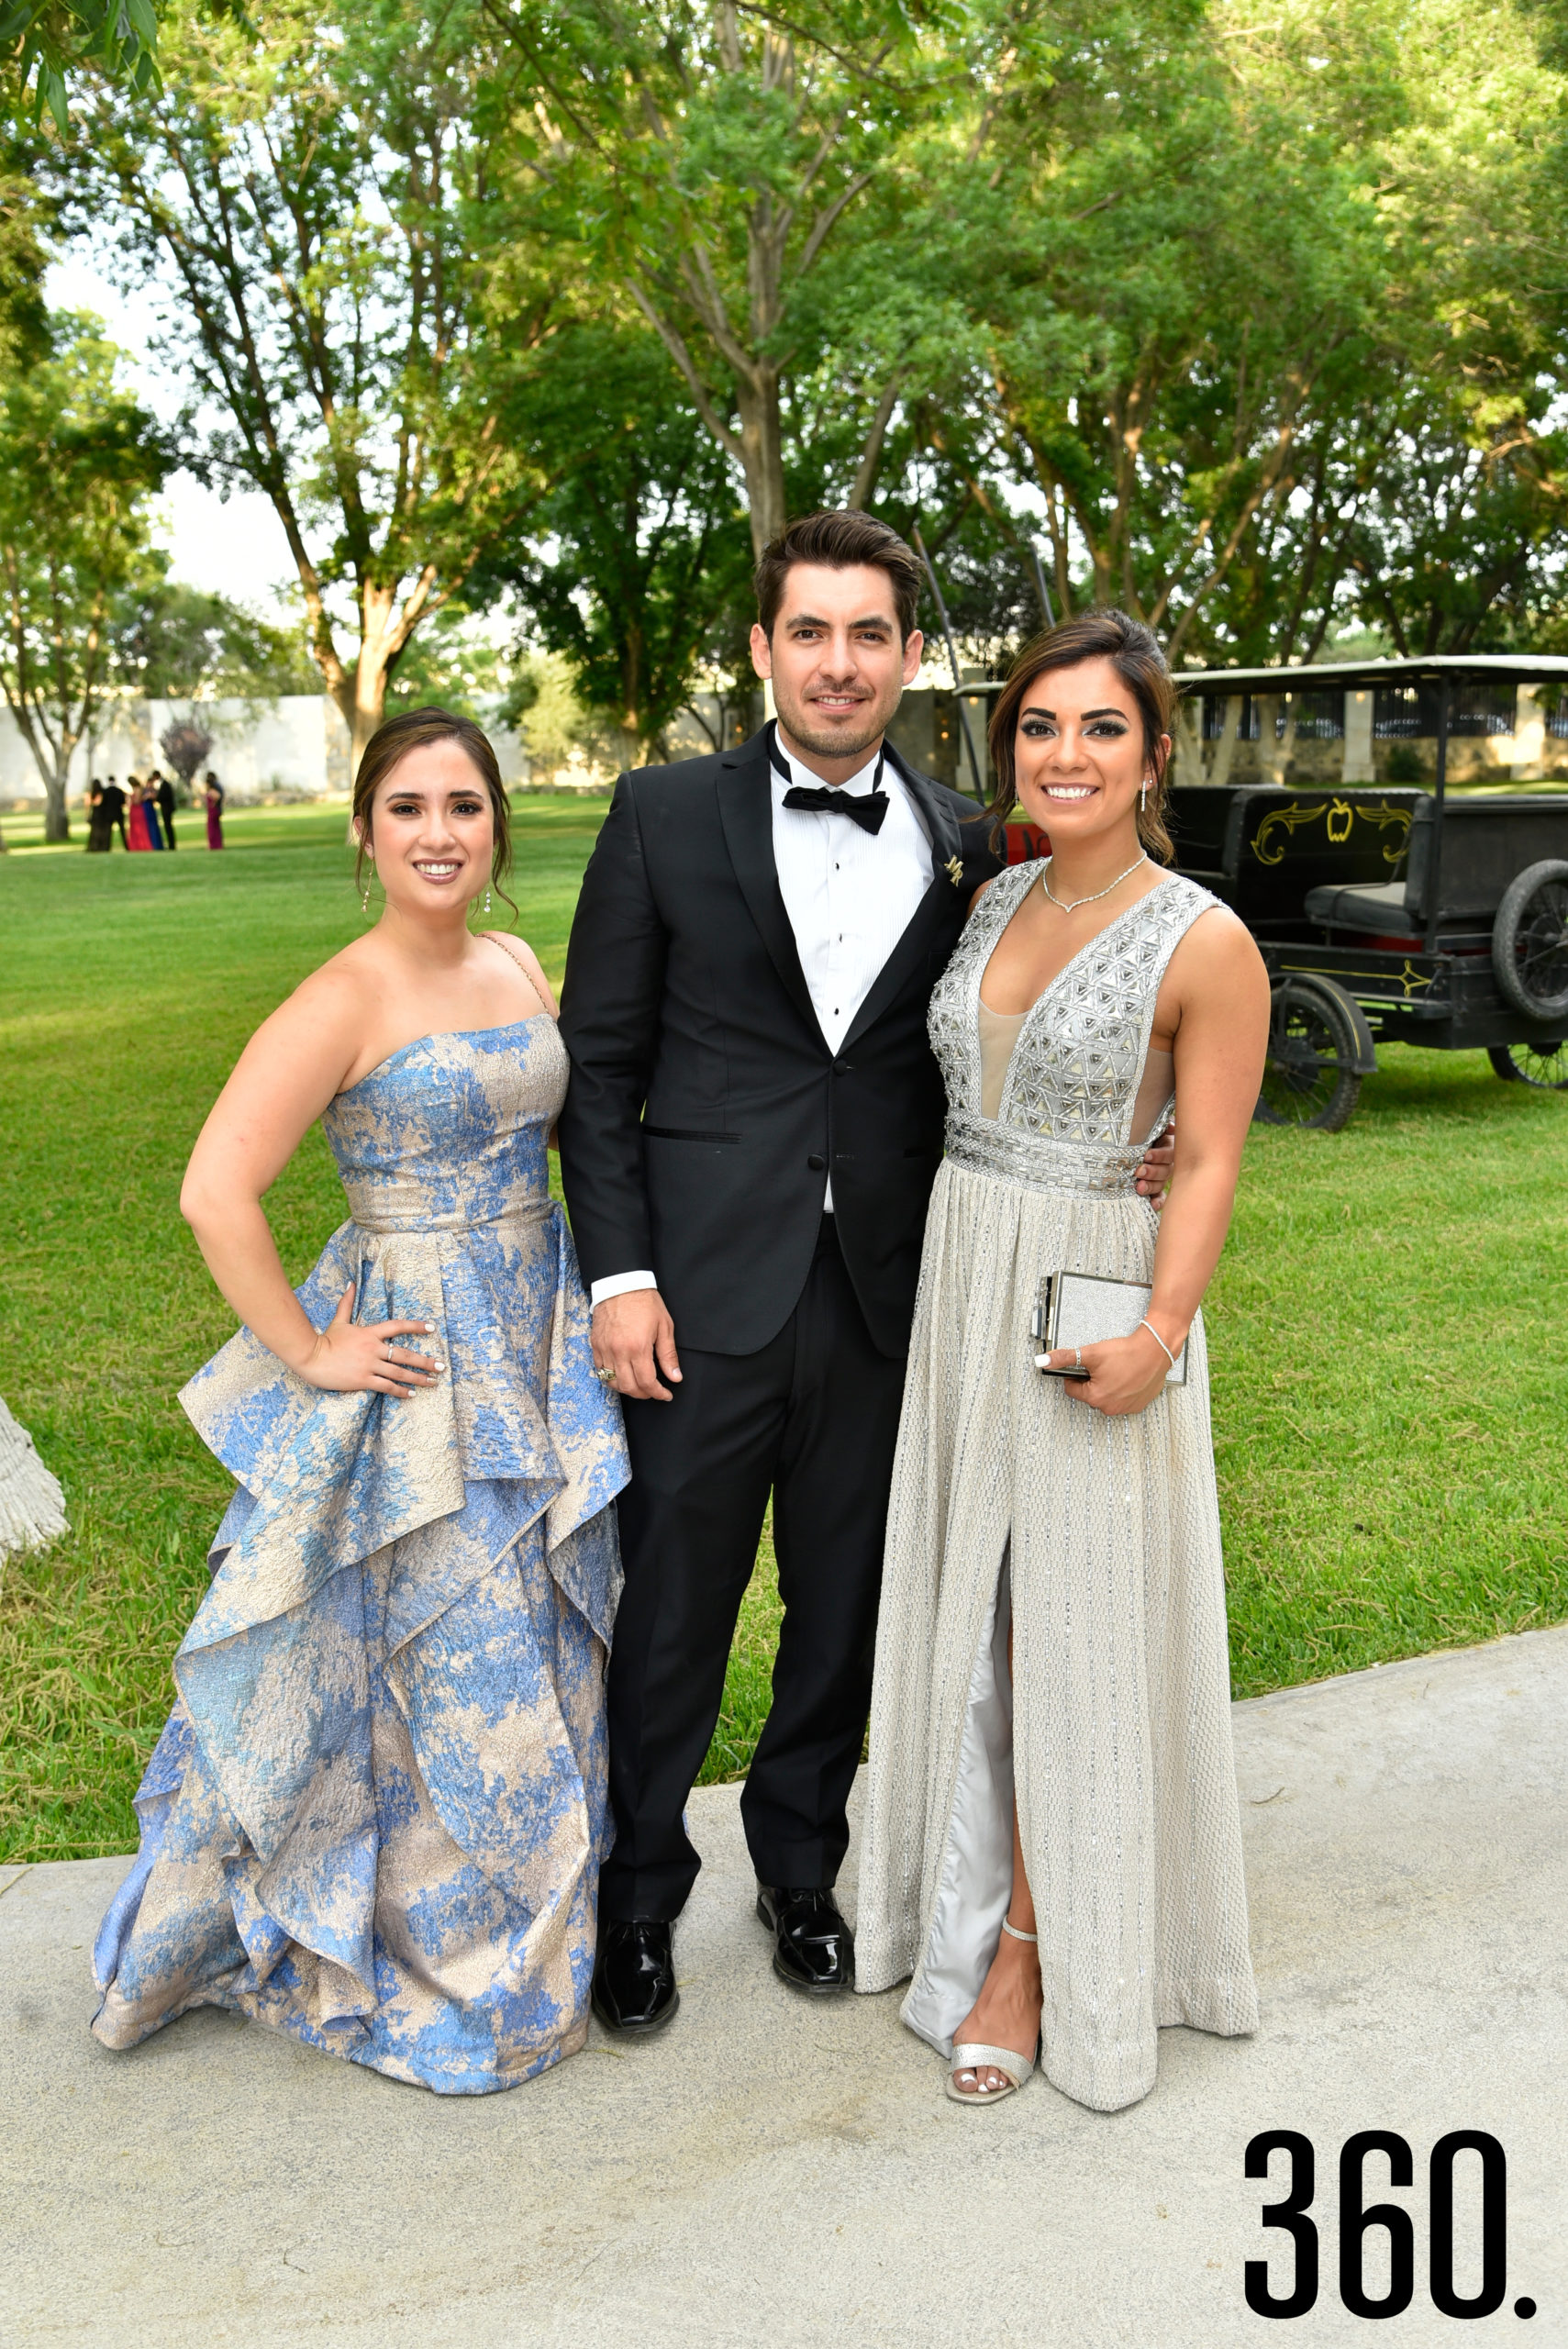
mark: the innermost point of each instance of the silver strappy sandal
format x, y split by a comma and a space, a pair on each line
969, 2055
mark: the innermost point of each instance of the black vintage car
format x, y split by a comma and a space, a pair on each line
1434, 916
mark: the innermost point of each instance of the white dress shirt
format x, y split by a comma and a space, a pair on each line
850, 895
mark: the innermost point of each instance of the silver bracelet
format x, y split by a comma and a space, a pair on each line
1165, 1349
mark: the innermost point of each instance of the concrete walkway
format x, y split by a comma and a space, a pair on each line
769, 2175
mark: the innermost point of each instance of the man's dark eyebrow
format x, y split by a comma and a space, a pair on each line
813, 619
1037, 709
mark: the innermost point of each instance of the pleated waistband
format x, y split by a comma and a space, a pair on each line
455, 1222
1041, 1161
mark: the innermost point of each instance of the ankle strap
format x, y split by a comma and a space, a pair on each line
1016, 1935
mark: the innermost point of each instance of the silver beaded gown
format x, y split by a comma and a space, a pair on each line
1096, 1538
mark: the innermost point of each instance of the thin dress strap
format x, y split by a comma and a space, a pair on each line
496, 939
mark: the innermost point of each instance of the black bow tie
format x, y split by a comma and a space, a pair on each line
866, 808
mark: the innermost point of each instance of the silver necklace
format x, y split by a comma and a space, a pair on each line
1072, 904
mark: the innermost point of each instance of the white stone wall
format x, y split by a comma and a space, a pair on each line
295, 747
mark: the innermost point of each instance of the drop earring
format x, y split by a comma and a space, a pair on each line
365, 900
1143, 795
488, 897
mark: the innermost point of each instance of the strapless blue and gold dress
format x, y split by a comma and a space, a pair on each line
376, 1816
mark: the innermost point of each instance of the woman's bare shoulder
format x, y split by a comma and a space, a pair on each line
523, 954
330, 1007
1218, 949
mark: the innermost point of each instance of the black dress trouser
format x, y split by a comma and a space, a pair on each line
813, 1416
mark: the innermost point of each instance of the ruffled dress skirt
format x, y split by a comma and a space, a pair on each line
376, 1816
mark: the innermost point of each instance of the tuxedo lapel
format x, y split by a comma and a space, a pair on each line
935, 909
746, 812
936, 806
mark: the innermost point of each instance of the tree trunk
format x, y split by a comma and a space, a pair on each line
53, 761
1274, 756
761, 444
56, 821
1225, 748
1187, 747
364, 698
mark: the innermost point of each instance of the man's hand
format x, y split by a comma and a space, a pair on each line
1155, 1171
635, 1338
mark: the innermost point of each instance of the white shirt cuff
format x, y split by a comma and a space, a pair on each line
619, 1285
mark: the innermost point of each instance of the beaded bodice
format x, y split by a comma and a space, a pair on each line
1075, 1068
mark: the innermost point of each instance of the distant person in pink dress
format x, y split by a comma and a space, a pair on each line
214, 810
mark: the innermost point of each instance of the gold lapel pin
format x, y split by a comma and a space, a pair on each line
954, 871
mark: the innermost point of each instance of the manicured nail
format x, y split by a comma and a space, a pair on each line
429, 1329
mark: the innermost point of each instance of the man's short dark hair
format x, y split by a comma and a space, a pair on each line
839, 541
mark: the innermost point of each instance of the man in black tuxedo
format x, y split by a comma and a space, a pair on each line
753, 1128
114, 814
163, 786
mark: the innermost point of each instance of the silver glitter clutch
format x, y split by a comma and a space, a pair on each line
1084, 1309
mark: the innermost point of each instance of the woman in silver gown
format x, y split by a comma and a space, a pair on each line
1052, 1841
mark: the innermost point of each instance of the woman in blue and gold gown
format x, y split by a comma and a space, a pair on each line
376, 1815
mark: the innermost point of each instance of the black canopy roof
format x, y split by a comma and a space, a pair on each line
1313, 676
1459, 668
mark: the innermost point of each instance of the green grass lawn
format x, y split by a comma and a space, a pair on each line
1387, 1327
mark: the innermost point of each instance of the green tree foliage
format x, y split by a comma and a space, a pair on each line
177, 643
42, 41
452, 662
79, 461
304, 194
24, 325
1253, 321
1460, 535
705, 162
643, 549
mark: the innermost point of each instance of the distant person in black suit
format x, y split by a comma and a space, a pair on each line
164, 790
114, 814
97, 821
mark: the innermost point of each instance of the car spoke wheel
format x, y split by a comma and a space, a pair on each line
1529, 940
1313, 1074
1544, 1065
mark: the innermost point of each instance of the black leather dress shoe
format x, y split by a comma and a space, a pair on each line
634, 1975
814, 1949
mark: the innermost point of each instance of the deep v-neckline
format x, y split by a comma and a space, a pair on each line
1052, 985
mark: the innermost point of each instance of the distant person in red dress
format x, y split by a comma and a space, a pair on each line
140, 835
214, 810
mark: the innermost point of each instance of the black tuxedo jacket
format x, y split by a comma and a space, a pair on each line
705, 1107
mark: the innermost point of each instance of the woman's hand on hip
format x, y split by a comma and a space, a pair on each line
1125, 1374
367, 1357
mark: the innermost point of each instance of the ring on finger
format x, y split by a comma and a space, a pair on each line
1078, 1357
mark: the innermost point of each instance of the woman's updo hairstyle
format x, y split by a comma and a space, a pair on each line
412, 729
1133, 651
